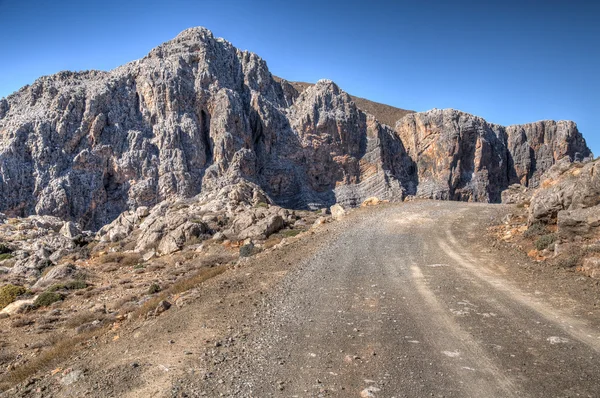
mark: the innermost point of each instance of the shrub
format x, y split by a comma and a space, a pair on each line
261, 204
70, 285
9, 293
5, 249
568, 260
138, 266
47, 298
154, 288
535, 229
289, 233
247, 250
544, 241
5, 256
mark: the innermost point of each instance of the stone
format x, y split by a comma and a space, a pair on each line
337, 212
18, 307
56, 274
579, 222
591, 267
71, 377
70, 230
162, 306
372, 201
576, 186
516, 194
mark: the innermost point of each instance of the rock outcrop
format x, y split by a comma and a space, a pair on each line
571, 187
197, 115
462, 157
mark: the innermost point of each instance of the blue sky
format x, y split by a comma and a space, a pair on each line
509, 62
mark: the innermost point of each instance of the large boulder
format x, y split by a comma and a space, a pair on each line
263, 228
57, 274
577, 187
579, 222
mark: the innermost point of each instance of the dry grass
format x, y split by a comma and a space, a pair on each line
179, 287
123, 259
47, 359
82, 318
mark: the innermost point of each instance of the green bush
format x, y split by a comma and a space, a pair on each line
568, 260
247, 250
289, 233
535, 229
5, 249
154, 288
70, 285
5, 256
544, 241
47, 298
9, 293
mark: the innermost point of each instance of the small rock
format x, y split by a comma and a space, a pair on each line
71, 377
162, 307
337, 211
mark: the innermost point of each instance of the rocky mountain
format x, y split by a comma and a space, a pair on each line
197, 115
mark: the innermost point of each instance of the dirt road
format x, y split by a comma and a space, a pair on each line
405, 303
403, 300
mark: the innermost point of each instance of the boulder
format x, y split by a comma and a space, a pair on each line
57, 274
579, 222
516, 194
263, 228
337, 211
18, 307
70, 230
591, 267
372, 201
577, 187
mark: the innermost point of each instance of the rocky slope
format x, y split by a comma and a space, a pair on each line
559, 222
196, 115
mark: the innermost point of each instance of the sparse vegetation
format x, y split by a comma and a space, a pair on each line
82, 318
70, 285
5, 249
47, 298
261, 204
60, 351
9, 293
247, 250
290, 233
21, 322
180, 286
154, 288
123, 259
544, 241
5, 256
535, 229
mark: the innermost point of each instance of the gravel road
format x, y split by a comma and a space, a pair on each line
407, 301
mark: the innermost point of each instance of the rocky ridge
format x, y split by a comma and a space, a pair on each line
196, 115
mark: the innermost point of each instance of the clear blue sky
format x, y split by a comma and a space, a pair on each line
511, 62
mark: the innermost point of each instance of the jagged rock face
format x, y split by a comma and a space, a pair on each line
198, 115
195, 114
570, 187
463, 157
459, 156
347, 153
535, 147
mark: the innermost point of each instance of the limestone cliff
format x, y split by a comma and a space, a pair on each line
196, 115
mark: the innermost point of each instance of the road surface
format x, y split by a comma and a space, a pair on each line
404, 302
